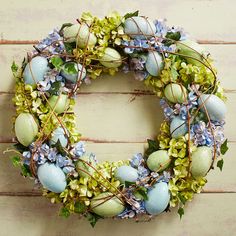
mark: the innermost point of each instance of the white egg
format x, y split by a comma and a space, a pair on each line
154, 63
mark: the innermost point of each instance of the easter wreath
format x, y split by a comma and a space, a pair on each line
174, 165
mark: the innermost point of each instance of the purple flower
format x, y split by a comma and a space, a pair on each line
79, 149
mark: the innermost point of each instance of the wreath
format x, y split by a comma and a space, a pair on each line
173, 168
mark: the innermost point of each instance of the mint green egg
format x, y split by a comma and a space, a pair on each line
52, 177
107, 206
139, 27
59, 135
70, 33
126, 174
59, 103
158, 161
201, 161
35, 70
26, 128
84, 164
175, 93
111, 58
154, 63
178, 127
192, 50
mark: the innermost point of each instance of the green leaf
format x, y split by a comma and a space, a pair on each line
21, 148
153, 146
220, 164
128, 183
93, 218
14, 67
224, 147
64, 26
142, 191
70, 68
69, 47
80, 207
55, 87
174, 74
25, 170
173, 36
181, 212
64, 212
57, 62
182, 198
59, 148
16, 161
131, 14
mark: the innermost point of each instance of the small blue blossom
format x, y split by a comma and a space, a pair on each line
79, 149
137, 160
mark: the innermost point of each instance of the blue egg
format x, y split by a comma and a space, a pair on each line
59, 134
52, 177
158, 198
154, 63
35, 70
215, 107
126, 173
178, 127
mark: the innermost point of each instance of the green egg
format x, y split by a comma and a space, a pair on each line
26, 128
175, 93
158, 161
111, 58
107, 206
59, 103
83, 168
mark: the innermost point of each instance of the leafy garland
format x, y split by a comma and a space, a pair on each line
86, 179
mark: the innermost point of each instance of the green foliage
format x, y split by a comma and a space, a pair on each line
14, 68
142, 191
25, 170
70, 68
224, 147
153, 145
57, 62
173, 36
80, 207
220, 164
64, 26
55, 88
93, 218
64, 212
16, 161
181, 212
132, 14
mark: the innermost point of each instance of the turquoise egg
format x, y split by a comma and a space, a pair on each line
26, 128
35, 70
201, 161
154, 63
59, 134
158, 161
175, 93
73, 77
59, 103
158, 198
107, 206
139, 27
85, 166
178, 127
126, 173
215, 107
111, 58
52, 177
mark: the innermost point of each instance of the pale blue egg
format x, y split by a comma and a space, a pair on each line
52, 177
140, 27
59, 134
178, 127
35, 70
158, 198
154, 63
126, 173
215, 107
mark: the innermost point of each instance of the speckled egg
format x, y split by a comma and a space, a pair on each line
26, 128
58, 103
201, 161
139, 27
216, 108
52, 177
158, 198
107, 207
59, 134
178, 127
111, 58
80, 72
126, 173
84, 164
175, 93
35, 70
158, 161
154, 63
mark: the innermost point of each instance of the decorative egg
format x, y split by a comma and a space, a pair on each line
26, 128
73, 77
154, 63
158, 198
84, 169
111, 58
59, 134
178, 127
52, 177
201, 161
215, 107
104, 206
58, 103
35, 70
158, 161
70, 33
139, 27
175, 93
191, 49
126, 173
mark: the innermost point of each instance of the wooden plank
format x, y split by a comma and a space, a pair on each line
121, 82
208, 214
190, 14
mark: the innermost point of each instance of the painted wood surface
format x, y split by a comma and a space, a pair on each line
117, 102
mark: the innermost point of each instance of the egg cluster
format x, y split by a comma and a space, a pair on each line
174, 165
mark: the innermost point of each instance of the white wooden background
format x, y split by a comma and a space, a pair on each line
116, 126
